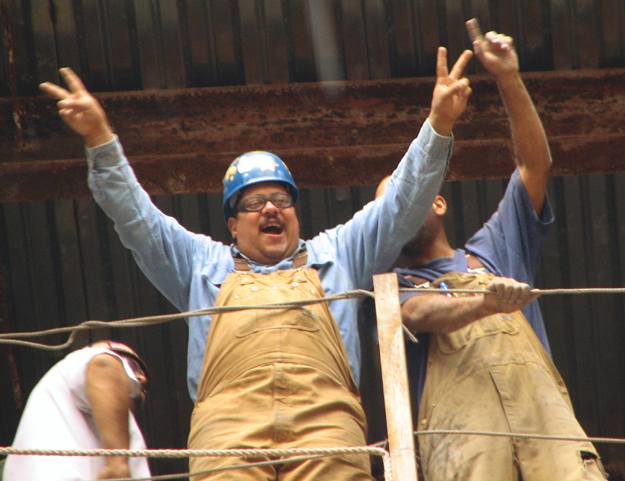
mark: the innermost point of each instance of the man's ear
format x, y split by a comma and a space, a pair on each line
379, 192
232, 225
439, 205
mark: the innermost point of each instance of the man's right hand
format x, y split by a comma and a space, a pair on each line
509, 295
79, 109
451, 92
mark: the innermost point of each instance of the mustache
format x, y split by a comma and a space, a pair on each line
272, 219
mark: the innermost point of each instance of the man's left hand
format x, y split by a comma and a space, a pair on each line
495, 51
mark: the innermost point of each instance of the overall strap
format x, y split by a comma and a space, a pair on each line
473, 263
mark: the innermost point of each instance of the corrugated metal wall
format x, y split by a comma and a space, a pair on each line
119, 45
62, 262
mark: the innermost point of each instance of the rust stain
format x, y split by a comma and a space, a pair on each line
181, 141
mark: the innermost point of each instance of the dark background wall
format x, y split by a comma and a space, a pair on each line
62, 263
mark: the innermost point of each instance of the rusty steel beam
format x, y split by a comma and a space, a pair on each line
347, 133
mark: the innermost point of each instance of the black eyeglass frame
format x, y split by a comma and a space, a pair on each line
242, 208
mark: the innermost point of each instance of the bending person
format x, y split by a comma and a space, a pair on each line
85, 401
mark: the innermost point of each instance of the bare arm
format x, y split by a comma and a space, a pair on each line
79, 109
443, 314
108, 392
532, 155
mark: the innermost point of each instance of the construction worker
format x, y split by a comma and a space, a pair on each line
85, 401
284, 378
482, 361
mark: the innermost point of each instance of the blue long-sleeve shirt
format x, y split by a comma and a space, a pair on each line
189, 268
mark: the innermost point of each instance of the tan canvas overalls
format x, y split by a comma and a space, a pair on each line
277, 379
494, 375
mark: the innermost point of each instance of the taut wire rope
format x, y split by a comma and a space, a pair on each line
14, 338
300, 454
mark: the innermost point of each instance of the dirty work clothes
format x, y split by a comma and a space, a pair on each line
277, 379
189, 268
509, 244
494, 375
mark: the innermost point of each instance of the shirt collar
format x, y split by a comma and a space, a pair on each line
263, 268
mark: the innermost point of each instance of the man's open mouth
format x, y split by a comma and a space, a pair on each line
272, 226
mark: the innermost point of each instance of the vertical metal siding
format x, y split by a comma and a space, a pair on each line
63, 264
121, 45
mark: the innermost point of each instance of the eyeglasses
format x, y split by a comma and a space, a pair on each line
256, 203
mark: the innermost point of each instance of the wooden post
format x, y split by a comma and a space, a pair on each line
395, 377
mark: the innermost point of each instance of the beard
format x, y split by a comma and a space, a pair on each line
424, 237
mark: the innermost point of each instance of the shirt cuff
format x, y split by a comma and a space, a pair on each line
105, 155
438, 146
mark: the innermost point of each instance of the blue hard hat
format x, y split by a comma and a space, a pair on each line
252, 168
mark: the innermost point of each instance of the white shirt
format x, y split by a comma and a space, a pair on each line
58, 416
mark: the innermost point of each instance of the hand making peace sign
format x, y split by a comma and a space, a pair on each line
79, 109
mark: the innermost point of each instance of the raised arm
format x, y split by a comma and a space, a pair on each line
164, 250
108, 391
79, 109
443, 314
370, 242
532, 155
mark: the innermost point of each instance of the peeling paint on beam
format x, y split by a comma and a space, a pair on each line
349, 133
179, 174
